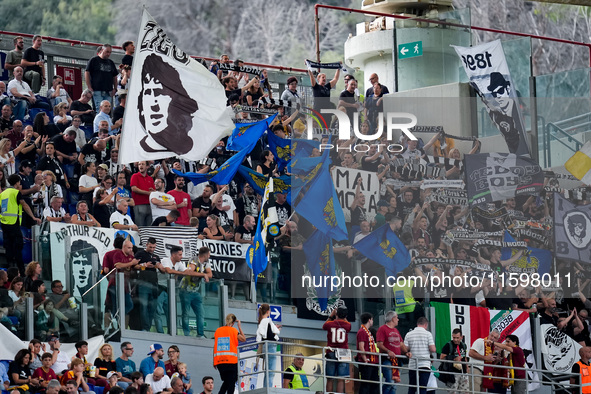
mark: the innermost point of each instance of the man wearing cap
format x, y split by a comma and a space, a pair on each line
159, 381
506, 114
373, 78
153, 361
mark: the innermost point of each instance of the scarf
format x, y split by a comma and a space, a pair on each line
372, 346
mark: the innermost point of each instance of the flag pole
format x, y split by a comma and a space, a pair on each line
100, 280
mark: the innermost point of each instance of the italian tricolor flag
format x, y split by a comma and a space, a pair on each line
473, 320
476, 322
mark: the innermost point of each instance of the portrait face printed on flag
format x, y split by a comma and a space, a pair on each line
500, 89
165, 108
81, 263
577, 225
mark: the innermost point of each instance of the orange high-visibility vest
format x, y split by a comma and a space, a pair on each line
225, 348
585, 371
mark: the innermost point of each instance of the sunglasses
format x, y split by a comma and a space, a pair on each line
499, 91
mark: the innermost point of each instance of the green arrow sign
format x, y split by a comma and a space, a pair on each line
410, 49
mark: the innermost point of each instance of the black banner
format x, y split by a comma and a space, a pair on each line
243, 69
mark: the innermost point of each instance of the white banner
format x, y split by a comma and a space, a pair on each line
487, 69
175, 106
82, 249
345, 183
559, 350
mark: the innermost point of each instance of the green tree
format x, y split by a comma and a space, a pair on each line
85, 20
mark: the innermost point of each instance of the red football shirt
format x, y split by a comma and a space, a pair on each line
185, 218
337, 333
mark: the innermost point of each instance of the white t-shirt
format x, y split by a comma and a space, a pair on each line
167, 263
61, 363
160, 385
118, 217
87, 181
156, 210
478, 346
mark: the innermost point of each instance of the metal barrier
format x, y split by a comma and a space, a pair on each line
264, 355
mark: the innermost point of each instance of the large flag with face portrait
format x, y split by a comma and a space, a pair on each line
175, 106
572, 230
487, 69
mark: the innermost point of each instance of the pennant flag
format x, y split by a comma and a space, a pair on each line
246, 134
320, 204
320, 259
175, 106
258, 181
384, 247
580, 164
572, 230
281, 148
256, 255
534, 260
497, 176
487, 69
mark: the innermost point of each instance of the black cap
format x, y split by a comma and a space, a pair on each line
25, 164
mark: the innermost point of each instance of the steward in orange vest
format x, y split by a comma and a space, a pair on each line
583, 368
225, 353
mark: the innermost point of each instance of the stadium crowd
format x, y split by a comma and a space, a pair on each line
60, 154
